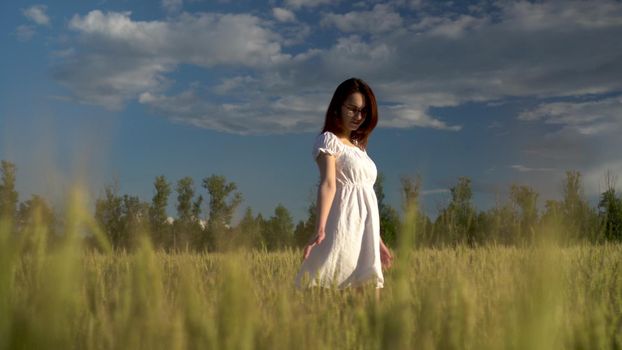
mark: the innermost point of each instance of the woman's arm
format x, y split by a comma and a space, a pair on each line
325, 195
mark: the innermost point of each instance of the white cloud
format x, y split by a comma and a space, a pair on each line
230, 84
352, 53
404, 116
535, 16
37, 14
429, 61
413, 4
255, 116
120, 58
283, 15
584, 137
588, 118
452, 28
382, 18
205, 39
64, 53
94, 79
25, 32
294, 34
172, 5
307, 3
524, 169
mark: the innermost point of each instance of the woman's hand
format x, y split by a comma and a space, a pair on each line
307, 251
386, 258
317, 239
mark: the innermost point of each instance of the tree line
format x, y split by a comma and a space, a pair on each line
124, 218
514, 221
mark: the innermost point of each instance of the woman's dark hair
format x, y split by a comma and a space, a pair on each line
332, 122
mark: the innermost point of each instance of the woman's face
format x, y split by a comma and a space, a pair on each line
353, 111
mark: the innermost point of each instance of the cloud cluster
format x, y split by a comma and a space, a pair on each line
118, 58
581, 134
172, 5
380, 19
414, 56
37, 16
588, 118
283, 15
296, 4
525, 169
287, 114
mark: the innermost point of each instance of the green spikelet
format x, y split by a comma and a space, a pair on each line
236, 307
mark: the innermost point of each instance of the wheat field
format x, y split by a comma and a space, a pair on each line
492, 297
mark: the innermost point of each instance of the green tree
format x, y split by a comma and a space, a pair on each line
411, 191
389, 218
109, 215
135, 216
610, 211
579, 220
8, 194
524, 200
279, 231
306, 229
224, 200
36, 214
498, 224
456, 223
552, 218
261, 224
248, 231
122, 218
196, 208
299, 233
34, 206
185, 194
187, 230
160, 229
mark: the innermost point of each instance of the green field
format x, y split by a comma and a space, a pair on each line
493, 297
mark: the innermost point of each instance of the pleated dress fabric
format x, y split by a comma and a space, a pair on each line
349, 255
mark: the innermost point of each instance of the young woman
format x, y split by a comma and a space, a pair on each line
347, 250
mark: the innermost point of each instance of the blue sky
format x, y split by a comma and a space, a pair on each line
500, 91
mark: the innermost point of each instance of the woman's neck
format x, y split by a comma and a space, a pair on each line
345, 134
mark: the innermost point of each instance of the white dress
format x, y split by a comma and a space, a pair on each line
349, 255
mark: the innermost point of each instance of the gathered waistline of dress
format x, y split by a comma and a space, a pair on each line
352, 184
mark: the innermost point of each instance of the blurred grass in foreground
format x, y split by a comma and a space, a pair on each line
492, 297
